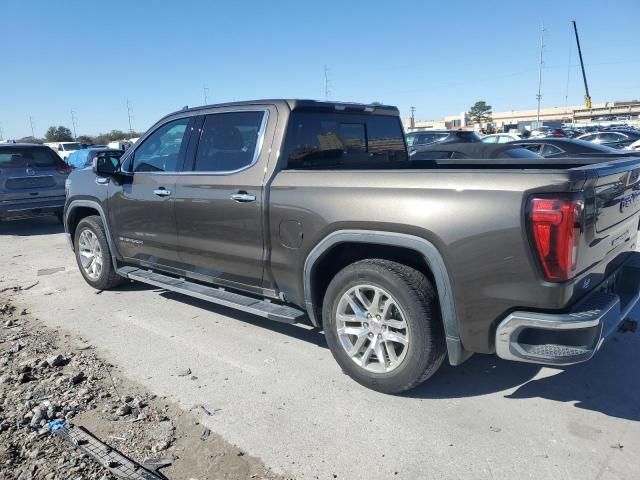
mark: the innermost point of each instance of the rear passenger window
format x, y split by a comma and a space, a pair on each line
344, 141
229, 141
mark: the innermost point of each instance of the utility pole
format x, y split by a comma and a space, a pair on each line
73, 123
1, 136
129, 114
33, 135
413, 117
566, 95
539, 96
205, 89
327, 91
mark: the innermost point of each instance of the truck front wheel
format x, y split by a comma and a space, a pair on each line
382, 324
93, 254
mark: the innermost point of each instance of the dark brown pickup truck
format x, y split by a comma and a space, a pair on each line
298, 210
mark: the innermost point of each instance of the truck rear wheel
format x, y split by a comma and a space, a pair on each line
383, 326
93, 254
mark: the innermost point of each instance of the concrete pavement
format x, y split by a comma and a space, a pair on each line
283, 398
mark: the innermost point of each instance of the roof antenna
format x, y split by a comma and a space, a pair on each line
186, 107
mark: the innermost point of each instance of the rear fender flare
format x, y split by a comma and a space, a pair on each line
456, 352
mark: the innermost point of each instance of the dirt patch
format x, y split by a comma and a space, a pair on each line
47, 375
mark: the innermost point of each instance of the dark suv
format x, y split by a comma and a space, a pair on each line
32, 181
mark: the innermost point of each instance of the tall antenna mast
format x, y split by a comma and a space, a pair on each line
566, 95
327, 91
129, 112
539, 95
33, 135
73, 122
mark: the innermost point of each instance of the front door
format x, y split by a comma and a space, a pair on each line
142, 206
219, 201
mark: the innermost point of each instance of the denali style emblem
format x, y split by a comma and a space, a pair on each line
629, 201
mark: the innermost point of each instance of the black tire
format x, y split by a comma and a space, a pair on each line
108, 277
415, 295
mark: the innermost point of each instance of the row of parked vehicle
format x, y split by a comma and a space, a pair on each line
547, 142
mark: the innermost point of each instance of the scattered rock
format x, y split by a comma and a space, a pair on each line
123, 410
617, 446
77, 377
184, 373
495, 429
55, 360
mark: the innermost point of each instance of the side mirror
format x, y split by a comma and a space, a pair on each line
105, 165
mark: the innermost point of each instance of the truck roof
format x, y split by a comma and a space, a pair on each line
304, 105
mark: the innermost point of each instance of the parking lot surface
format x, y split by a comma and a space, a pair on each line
278, 394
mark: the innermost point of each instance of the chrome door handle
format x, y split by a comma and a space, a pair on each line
243, 197
162, 192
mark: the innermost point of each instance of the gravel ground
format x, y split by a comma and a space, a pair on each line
47, 375
278, 395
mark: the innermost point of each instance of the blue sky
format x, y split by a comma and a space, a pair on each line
437, 56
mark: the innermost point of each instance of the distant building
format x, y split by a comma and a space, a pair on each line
610, 111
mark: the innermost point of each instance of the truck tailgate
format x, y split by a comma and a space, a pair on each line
612, 208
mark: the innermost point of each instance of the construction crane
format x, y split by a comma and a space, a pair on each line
587, 97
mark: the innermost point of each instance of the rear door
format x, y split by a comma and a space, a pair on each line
31, 172
219, 198
142, 207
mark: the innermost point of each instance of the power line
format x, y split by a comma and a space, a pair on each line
73, 123
129, 114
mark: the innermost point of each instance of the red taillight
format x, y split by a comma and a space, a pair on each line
64, 168
555, 227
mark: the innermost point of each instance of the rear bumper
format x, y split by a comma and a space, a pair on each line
573, 337
30, 207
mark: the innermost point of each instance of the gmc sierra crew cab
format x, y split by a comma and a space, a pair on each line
297, 210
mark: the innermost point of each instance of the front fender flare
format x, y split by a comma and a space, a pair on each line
98, 208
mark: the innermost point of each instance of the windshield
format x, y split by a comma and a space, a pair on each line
24, 157
70, 147
595, 146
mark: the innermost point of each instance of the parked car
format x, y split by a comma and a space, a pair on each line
547, 132
567, 147
500, 138
296, 210
472, 151
417, 140
32, 181
635, 145
64, 149
84, 158
615, 139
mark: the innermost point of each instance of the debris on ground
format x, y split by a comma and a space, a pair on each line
47, 384
628, 326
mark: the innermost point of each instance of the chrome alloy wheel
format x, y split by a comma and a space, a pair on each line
90, 253
372, 328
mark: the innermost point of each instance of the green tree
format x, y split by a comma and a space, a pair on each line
30, 139
480, 112
59, 134
85, 139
